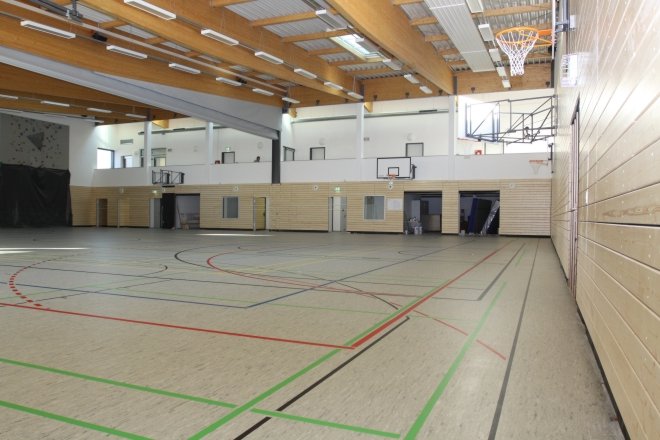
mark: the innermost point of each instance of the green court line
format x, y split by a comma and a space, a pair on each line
71, 421
426, 411
117, 383
328, 424
248, 406
520, 257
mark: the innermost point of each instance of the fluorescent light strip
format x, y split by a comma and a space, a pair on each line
355, 95
291, 100
136, 116
8, 97
98, 110
501, 71
506, 83
183, 68
475, 6
263, 92
152, 9
305, 73
486, 32
228, 81
127, 52
410, 77
268, 57
392, 64
333, 85
495, 55
322, 14
55, 103
425, 90
210, 33
47, 29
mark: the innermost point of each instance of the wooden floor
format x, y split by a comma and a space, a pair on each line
165, 334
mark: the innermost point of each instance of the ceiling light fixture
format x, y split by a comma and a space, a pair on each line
495, 55
55, 103
47, 29
333, 85
355, 95
8, 97
183, 68
136, 116
305, 73
152, 9
410, 77
268, 57
500, 71
392, 64
323, 15
228, 81
486, 32
98, 110
219, 37
506, 83
425, 90
127, 52
263, 92
291, 100
475, 6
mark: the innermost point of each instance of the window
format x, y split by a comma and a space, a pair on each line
289, 154
229, 157
415, 149
127, 161
317, 153
374, 207
105, 159
230, 207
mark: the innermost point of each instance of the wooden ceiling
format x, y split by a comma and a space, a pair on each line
403, 31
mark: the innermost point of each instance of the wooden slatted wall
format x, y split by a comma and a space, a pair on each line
618, 278
304, 206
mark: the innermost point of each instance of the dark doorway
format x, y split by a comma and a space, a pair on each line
168, 211
479, 212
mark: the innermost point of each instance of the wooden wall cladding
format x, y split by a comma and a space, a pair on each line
83, 206
618, 255
525, 204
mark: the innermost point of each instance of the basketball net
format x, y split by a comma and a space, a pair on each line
516, 43
536, 164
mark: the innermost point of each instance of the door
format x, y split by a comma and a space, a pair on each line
154, 213
337, 216
573, 200
101, 212
259, 213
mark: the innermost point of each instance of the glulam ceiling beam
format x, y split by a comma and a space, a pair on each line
310, 15
397, 38
223, 3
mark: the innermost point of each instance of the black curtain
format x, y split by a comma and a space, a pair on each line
34, 196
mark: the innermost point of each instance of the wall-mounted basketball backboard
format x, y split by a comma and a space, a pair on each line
394, 168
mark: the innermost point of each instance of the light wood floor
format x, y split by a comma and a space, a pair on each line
135, 333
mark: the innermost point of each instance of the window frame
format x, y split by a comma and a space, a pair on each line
112, 158
364, 207
225, 207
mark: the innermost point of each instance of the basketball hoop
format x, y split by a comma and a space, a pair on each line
390, 178
517, 42
536, 164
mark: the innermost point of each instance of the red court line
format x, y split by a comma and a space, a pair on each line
413, 306
182, 327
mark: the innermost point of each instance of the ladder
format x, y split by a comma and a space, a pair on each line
491, 216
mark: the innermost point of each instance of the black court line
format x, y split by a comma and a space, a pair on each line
505, 383
489, 286
337, 369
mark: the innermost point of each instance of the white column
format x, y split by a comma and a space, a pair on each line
147, 151
359, 137
451, 150
209, 150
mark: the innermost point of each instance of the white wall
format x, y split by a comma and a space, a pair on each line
337, 136
387, 136
246, 146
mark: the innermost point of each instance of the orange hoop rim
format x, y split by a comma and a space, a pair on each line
538, 38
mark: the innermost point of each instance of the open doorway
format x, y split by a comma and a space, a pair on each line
187, 211
479, 212
337, 214
423, 209
101, 212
